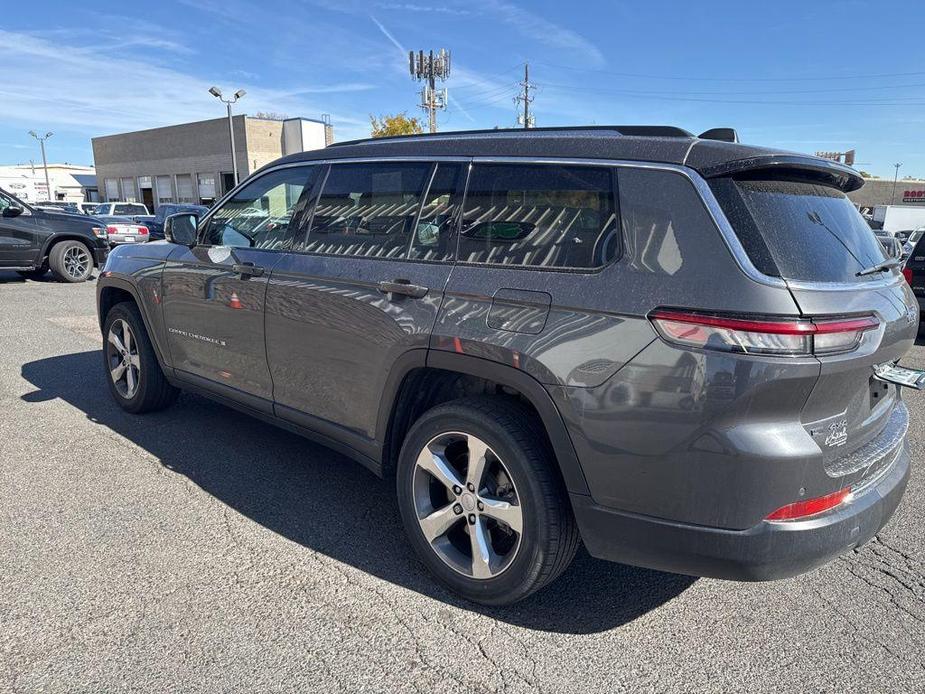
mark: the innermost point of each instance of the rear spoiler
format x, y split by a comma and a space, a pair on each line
825, 171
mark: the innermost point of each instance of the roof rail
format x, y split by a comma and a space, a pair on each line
624, 130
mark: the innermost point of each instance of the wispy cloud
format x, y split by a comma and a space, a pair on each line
541, 30
47, 84
412, 7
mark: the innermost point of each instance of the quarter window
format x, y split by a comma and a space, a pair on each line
368, 209
540, 215
259, 215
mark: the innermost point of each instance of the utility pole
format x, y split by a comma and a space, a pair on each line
217, 93
895, 176
526, 119
44, 161
427, 68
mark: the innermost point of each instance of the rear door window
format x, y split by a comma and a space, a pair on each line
799, 230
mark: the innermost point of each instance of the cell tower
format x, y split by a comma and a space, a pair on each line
427, 68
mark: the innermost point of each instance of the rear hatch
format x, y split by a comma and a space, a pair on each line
804, 230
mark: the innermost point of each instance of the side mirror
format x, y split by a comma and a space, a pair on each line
181, 228
13, 210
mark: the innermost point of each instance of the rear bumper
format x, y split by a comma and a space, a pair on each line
764, 552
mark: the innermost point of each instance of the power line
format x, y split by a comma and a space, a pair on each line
735, 79
524, 97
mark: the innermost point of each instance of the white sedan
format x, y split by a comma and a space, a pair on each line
124, 230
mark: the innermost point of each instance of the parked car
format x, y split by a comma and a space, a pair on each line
680, 350
911, 240
155, 223
88, 208
32, 241
58, 206
123, 209
124, 230
914, 269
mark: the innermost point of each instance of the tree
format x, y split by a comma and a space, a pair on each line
398, 124
270, 115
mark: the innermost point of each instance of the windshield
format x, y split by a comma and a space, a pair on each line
799, 230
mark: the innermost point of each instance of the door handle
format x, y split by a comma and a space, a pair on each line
246, 270
402, 288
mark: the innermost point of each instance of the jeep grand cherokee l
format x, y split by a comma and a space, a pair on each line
678, 350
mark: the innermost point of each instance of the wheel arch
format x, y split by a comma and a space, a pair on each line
422, 379
114, 290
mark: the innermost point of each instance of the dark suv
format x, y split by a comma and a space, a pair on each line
34, 241
676, 349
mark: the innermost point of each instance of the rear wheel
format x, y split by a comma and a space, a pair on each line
482, 500
133, 374
70, 261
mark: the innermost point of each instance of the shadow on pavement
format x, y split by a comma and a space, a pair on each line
328, 503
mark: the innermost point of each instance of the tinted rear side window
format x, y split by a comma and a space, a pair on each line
540, 215
799, 230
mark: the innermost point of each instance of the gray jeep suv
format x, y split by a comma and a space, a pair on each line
679, 350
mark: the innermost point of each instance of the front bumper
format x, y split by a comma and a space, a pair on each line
99, 256
767, 551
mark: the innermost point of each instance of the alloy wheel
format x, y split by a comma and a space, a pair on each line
123, 359
76, 262
467, 505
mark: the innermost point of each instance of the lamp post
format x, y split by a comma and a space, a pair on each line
217, 93
41, 140
895, 176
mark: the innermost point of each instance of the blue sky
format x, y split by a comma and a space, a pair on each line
805, 76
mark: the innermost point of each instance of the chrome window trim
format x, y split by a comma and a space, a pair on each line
699, 182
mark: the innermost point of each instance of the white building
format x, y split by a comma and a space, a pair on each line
69, 182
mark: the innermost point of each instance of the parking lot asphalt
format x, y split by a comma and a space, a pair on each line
197, 549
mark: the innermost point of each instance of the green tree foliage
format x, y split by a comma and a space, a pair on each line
397, 124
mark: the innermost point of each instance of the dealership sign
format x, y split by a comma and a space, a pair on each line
914, 196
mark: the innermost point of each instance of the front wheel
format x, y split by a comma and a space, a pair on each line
482, 500
135, 378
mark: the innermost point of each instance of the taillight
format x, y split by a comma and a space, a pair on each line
112, 229
810, 507
782, 337
907, 273
142, 230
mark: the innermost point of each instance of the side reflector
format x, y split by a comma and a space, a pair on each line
810, 507
907, 273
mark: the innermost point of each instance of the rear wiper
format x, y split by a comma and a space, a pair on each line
879, 267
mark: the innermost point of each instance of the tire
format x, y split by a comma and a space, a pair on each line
70, 261
133, 373
519, 469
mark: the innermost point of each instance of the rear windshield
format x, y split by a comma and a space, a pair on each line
799, 230
130, 209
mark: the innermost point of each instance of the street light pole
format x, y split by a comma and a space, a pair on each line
217, 93
44, 160
895, 176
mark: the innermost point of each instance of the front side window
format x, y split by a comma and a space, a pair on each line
540, 215
368, 209
259, 215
